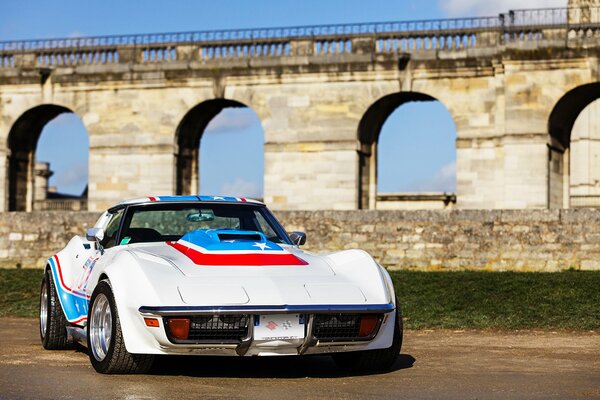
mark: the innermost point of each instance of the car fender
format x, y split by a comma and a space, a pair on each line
132, 287
360, 268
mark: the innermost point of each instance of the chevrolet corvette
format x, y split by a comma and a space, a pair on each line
213, 275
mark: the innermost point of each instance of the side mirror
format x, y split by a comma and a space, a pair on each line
94, 234
298, 238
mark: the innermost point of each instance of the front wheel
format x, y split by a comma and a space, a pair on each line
53, 323
373, 360
106, 345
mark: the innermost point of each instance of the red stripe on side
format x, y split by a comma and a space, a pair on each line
252, 259
62, 282
78, 320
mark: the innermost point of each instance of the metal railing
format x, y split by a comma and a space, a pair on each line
402, 36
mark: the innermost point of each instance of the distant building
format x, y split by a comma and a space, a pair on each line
47, 198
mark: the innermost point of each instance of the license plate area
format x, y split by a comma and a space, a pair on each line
279, 327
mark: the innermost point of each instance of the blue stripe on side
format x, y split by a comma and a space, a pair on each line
74, 306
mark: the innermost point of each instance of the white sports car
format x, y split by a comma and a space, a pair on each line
204, 275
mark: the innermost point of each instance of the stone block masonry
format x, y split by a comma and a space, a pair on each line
495, 240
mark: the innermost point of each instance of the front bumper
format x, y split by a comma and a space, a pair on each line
248, 346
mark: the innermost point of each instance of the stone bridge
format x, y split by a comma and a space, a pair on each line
514, 84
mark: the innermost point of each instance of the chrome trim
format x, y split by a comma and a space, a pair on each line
78, 334
243, 347
309, 339
283, 309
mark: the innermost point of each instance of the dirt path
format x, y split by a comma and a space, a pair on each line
433, 365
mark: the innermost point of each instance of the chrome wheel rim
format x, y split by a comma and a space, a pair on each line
44, 309
100, 328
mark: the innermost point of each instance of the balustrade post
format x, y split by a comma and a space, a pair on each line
187, 52
25, 60
302, 47
363, 45
488, 39
129, 54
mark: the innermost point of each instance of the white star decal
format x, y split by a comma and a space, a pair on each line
261, 245
218, 198
229, 241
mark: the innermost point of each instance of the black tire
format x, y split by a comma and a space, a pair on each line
373, 360
53, 328
116, 360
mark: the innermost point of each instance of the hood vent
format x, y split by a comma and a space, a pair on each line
253, 237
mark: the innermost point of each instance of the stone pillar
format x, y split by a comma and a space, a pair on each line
311, 154
42, 174
584, 11
121, 170
131, 155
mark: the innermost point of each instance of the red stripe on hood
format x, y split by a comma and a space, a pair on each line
249, 259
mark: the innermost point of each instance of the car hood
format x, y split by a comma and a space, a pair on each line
231, 275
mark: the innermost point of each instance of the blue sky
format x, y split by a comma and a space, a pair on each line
417, 141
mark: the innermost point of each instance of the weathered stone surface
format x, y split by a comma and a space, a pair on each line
321, 112
544, 240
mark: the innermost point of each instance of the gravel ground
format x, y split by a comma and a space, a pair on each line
432, 365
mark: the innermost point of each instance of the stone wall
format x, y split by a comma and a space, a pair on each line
27, 240
532, 240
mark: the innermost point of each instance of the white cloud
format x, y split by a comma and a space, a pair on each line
73, 177
241, 188
444, 180
232, 119
468, 8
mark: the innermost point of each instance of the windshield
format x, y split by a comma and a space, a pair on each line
169, 222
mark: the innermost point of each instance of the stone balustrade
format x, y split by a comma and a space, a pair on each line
515, 27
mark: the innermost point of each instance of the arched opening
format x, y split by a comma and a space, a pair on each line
32, 159
408, 154
220, 150
574, 149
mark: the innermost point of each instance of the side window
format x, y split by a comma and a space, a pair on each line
110, 233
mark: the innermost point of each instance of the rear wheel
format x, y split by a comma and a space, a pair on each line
373, 360
106, 345
53, 324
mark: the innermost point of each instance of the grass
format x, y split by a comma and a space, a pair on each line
20, 292
454, 300
499, 300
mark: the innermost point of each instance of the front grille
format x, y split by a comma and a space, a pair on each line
217, 328
338, 327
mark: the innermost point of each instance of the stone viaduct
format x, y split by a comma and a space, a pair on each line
514, 84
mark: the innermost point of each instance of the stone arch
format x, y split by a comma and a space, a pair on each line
369, 130
22, 144
188, 138
561, 123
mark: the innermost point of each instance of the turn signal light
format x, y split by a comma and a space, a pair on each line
151, 322
179, 328
368, 323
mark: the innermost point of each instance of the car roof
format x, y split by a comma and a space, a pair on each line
185, 199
